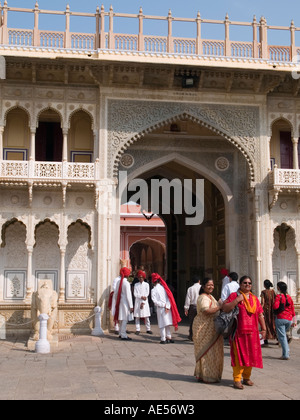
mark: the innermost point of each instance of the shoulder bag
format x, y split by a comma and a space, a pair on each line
226, 323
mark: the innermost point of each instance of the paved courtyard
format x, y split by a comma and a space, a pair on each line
106, 368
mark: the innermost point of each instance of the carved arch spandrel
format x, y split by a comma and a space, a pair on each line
131, 120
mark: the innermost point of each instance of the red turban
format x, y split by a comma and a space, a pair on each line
175, 314
224, 272
141, 273
124, 272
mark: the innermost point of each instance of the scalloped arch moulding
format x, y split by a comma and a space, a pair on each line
128, 121
62, 222
65, 111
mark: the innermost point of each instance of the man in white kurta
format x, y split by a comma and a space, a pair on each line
190, 305
125, 306
164, 315
113, 288
141, 304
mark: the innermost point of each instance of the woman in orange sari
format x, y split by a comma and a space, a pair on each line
208, 345
245, 348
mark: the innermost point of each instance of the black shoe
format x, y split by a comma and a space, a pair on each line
169, 340
137, 333
163, 342
126, 339
149, 332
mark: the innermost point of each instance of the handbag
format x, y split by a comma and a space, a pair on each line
226, 323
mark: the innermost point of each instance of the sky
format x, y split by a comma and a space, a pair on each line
275, 11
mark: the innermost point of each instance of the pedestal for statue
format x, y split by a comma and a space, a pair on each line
43, 345
98, 331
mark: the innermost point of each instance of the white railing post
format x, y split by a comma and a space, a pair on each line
67, 42
141, 46
111, 45
36, 32
227, 39
263, 31
170, 47
199, 40
293, 43
4, 24
255, 53
97, 40
102, 27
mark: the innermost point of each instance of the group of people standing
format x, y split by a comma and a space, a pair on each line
123, 309
255, 320
254, 323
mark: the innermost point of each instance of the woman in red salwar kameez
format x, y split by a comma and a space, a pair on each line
245, 348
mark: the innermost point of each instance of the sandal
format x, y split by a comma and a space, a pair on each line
238, 385
248, 382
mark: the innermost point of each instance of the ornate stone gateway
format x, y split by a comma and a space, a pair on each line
156, 107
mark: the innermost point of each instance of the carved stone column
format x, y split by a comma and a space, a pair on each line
258, 259
65, 146
62, 278
32, 144
1, 142
295, 153
298, 276
30, 285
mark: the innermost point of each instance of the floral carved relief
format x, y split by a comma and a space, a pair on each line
130, 120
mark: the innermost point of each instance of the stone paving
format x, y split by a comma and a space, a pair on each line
107, 368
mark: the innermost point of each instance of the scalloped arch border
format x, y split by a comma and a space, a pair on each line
138, 136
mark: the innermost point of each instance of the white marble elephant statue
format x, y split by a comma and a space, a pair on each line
44, 301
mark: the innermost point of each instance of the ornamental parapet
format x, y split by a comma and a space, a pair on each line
48, 172
102, 42
283, 181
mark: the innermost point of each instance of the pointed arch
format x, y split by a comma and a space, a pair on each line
278, 119
81, 109
49, 108
235, 141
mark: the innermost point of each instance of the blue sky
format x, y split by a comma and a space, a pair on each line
275, 11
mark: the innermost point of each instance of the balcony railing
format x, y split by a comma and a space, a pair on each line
48, 171
285, 179
106, 39
282, 181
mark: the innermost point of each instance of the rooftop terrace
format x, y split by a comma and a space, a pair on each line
100, 41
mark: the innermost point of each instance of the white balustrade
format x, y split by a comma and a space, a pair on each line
285, 178
48, 171
60, 41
